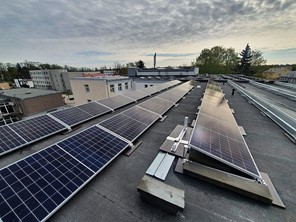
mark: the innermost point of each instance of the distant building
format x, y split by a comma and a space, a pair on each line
88, 89
163, 72
49, 79
32, 101
290, 77
24, 83
4, 85
7, 112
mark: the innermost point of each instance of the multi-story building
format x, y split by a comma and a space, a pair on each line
87, 89
49, 79
163, 72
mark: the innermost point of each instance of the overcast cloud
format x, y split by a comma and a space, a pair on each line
96, 33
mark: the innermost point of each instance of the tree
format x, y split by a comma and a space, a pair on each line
130, 64
140, 64
257, 58
244, 66
216, 60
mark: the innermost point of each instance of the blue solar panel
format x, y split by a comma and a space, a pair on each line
37, 128
35, 187
9, 140
72, 116
131, 123
157, 105
94, 147
116, 101
94, 109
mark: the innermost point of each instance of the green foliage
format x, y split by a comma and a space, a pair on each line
140, 64
216, 60
244, 65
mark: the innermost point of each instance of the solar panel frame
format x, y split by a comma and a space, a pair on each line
9, 140
95, 109
93, 147
37, 128
131, 123
72, 116
116, 102
37, 186
211, 135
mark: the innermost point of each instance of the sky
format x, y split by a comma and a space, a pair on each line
96, 33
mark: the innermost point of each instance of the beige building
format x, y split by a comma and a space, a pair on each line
4, 85
88, 89
32, 101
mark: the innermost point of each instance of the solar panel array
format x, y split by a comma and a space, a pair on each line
22, 133
217, 135
33, 188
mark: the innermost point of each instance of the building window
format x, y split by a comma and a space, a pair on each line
126, 85
112, 88
119, 86
86, 88
146, 86
89, 100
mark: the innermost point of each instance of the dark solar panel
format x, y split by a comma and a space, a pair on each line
157, 105
136, 95
93, 147
72, 116
9, 140
219, 111
116, 101
37, 128
173, 97
94, 108
35, 187
224, 142
131, 123
141, 115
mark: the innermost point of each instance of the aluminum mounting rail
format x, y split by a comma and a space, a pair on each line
282, 116
286, 85
283, 92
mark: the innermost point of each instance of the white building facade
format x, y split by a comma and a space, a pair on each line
88, 89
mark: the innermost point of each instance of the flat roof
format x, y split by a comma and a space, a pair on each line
102, 78
26, 93
112, 195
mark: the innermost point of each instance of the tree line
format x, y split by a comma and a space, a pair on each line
223, 60
21, 70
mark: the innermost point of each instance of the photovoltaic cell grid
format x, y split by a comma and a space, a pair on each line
37, 128
223, 142
72, 116
136, 95
35, 187
170, 96
131, 123
116, 101
94, 109
216, 134
93, 147
218, 110
157, 105
9, 140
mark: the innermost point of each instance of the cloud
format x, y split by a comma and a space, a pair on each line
72, 31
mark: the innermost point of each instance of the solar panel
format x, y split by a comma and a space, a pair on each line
9, 140
219, 111
173, 97
223, 142
94, 108
93, 147
37, 128
141, 115
72, 116
131, 123
136, 95
157, 105
35, 187
116, 101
